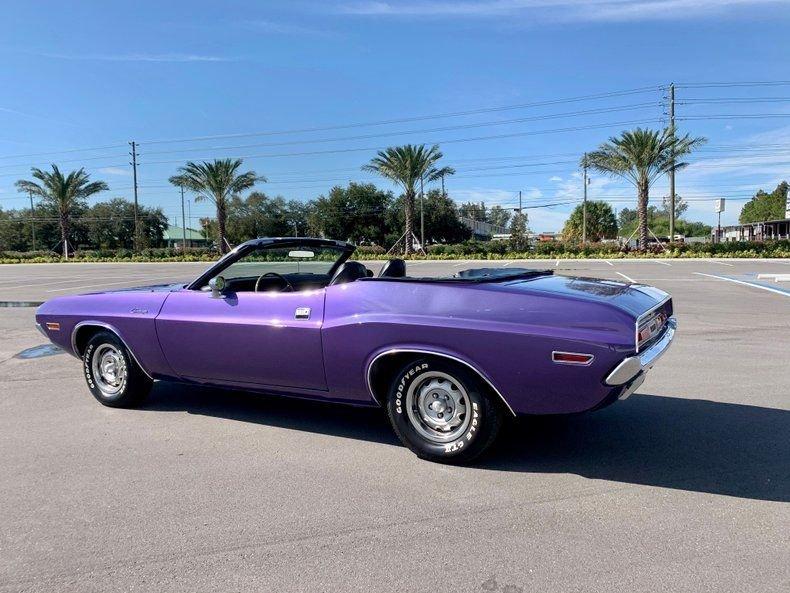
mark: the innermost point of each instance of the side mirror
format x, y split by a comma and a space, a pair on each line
217, 286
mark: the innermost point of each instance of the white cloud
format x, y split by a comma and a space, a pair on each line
563, 10
278, 28
137, 57
115, 171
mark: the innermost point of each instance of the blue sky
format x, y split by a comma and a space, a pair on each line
98, 74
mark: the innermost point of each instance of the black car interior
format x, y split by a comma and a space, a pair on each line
349, 271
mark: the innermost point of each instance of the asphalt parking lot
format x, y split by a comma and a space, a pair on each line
683, 487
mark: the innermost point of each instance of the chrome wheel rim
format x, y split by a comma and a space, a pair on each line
109, 369
438, 407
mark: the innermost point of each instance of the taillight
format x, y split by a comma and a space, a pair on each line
650, 328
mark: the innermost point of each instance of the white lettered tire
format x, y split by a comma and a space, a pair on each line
443, 411
112, 375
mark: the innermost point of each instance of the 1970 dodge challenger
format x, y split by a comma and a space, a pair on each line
449, 358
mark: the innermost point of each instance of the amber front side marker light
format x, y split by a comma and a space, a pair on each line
55, 327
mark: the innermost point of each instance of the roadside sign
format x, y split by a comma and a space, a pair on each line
720, 205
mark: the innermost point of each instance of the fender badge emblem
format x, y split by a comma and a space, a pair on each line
140, 310
302, 313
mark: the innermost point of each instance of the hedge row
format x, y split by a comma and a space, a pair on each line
468, 250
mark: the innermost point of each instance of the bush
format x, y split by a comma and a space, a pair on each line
467, 250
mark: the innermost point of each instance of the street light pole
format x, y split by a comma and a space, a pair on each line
189, 214
584, 203
422, 217
32, 220
672, 171
184, 225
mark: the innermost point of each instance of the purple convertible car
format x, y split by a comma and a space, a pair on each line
449, 358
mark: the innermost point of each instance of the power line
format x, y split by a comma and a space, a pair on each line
440, 142
408, 132
718, 85
596, 96
65, 151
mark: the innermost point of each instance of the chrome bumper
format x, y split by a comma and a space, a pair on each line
632, 366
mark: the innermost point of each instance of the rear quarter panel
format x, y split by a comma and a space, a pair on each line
507, 333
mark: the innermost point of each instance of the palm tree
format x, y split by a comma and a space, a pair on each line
640, 157
407, 166
62, 192
218, 182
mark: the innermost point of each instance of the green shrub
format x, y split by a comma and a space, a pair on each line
472, 250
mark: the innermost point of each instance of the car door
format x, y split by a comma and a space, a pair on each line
260, 338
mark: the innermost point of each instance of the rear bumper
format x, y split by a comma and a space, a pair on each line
634, 365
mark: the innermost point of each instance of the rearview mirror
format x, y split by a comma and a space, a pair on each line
298, 253
217, 286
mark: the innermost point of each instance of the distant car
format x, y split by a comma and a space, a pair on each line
449, 358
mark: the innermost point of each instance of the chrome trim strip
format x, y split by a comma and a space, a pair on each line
633, 365
432, 353
578, 364
646, 314
113, 330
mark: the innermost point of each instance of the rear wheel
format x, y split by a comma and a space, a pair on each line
442, 411
113, 376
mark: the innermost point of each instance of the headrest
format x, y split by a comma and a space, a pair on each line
348, 272
394, 268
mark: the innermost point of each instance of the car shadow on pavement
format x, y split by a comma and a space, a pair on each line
686, 444
670, 442
364, 423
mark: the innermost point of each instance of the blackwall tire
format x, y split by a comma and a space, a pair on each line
443, 411
112, 375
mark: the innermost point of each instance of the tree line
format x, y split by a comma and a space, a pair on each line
359, 212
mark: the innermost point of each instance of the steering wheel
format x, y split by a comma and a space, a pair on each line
287, 286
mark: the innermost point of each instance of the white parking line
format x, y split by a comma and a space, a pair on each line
460, 264
506, 264
713, 261
139, 281
626, 277
663, 263
768, 288
557, 264
48, 283
608, 262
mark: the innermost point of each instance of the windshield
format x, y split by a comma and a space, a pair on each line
295, 265
289, 260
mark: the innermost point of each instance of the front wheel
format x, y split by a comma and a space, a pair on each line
113, 376
442, 411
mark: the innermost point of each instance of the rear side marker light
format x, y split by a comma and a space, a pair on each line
572, 358
55, 327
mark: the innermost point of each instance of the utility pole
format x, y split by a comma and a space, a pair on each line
584, 203
296, 229
519, 201
134, 176
422, 217
184, 221
443, 192
189, 217
672, 171
32, 220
